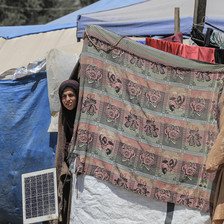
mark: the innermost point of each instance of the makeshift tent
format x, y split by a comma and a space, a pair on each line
18, 52
26, 144
65, 22
32, 47
153, 17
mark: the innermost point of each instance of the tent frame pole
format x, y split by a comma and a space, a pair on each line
176, 20
199, 14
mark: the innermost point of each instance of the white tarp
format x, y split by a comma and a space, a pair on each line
100, 202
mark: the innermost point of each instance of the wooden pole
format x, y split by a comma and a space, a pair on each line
176, 20
199, 13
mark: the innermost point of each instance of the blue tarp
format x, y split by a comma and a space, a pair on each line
101, 5
25, 143
137, 28
151, 18
65, 22
154, 17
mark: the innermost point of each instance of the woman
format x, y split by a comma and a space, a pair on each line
68, 95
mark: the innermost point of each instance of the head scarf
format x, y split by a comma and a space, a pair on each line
68, 116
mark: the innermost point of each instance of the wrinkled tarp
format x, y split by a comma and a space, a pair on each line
32, 68
100, 202
25, 144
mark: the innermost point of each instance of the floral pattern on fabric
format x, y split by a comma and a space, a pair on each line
145, 123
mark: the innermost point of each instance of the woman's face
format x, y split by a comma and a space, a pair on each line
69, 99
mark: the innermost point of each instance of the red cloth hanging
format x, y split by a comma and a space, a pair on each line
187, 51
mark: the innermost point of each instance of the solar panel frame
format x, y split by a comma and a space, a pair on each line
39, 195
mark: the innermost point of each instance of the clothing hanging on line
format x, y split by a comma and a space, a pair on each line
187, 51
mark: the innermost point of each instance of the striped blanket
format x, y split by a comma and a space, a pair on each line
146, 119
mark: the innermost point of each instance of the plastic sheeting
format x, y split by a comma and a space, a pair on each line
153, 17
25, 144
99, 202
16, 73
59, 67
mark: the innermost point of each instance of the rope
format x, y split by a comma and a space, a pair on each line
111, 47
203, 22
214, 27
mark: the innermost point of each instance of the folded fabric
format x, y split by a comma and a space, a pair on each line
217, 37
175, 38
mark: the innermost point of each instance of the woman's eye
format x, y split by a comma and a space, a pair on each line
68, 95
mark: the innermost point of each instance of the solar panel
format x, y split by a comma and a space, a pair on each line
39, 192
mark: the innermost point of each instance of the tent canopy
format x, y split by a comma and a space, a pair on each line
60, 34
65, 22
153, 17
95, 7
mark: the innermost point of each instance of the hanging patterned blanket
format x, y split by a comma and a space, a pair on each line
146, 119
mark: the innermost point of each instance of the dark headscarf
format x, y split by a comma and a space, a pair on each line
68, 116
